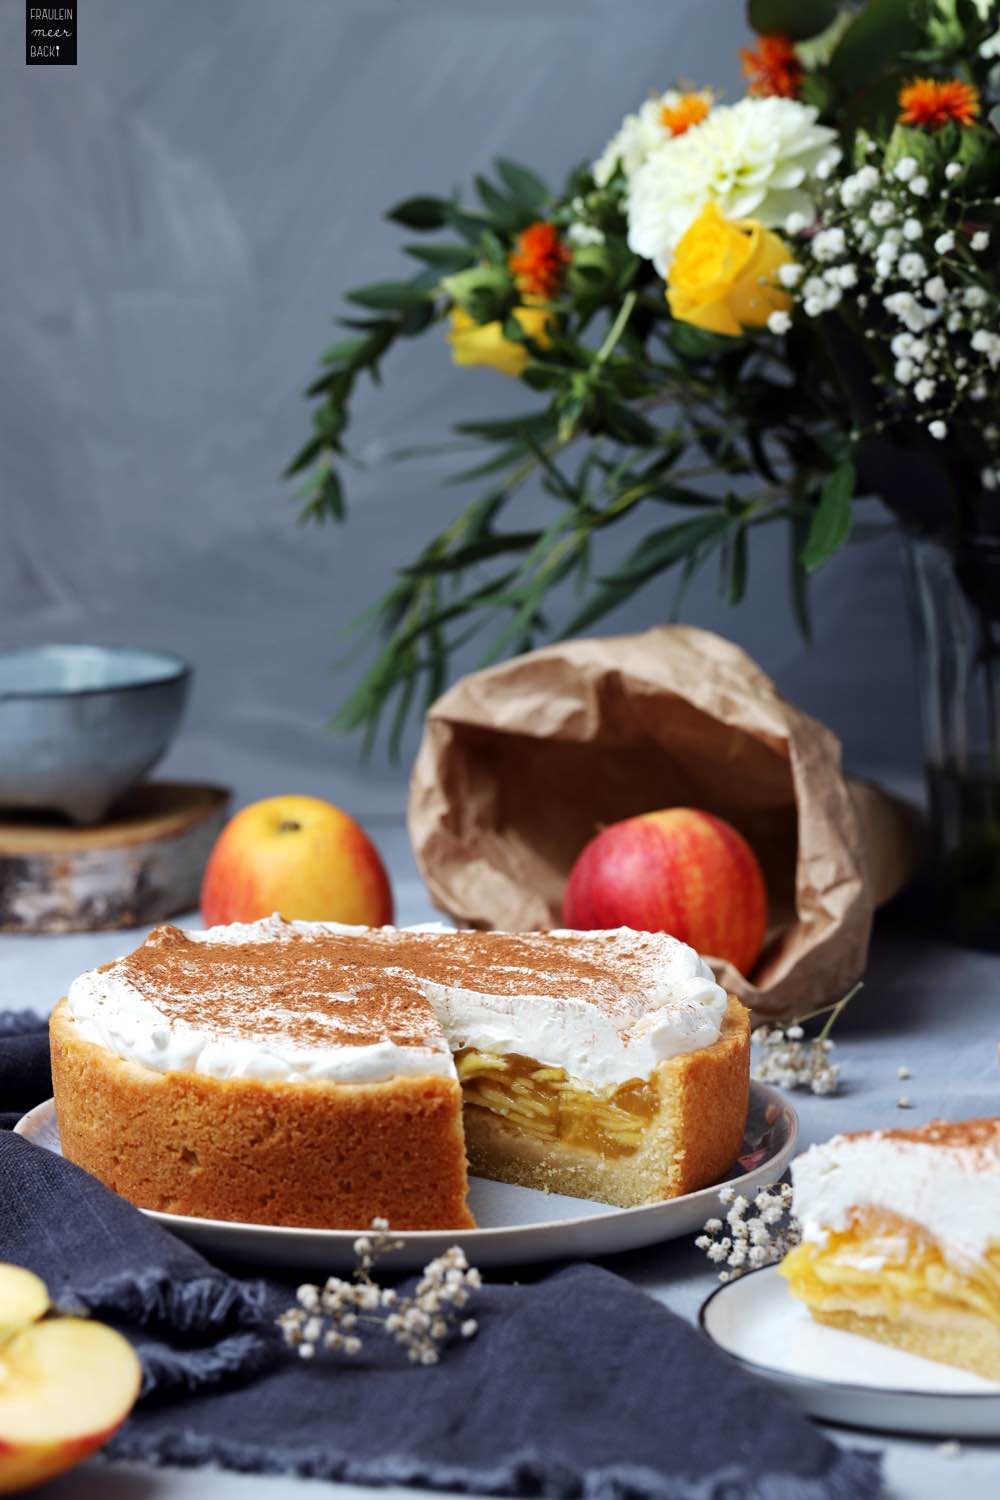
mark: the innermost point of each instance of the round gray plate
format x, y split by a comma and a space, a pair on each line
516, 1225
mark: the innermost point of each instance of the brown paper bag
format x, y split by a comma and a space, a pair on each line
522, 763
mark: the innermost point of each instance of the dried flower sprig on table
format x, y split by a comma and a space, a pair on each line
788, 1058
759, 1240
329, 1316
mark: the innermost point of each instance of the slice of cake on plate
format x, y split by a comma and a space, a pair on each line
901, 1239
313, 1074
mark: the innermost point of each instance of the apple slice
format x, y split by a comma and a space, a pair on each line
23, 1298
66, 1384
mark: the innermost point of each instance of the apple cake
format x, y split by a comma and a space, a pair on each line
901, 1239
309, 1073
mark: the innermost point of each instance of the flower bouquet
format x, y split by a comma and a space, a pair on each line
737, 314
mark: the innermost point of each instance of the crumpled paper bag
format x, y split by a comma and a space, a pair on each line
524, 762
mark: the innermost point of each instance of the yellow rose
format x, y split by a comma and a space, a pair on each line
475, 343
723, 276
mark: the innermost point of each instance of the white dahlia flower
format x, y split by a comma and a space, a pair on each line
649, 127
755, 159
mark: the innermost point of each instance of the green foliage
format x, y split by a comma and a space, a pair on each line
831, 523
797, 19
527, 190
704, 437
874, 44
420, 213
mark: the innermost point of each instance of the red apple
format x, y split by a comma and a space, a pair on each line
66, 1384
679, 871
298, 856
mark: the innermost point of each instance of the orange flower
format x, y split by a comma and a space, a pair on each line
689, 110
931, 103
538, 260
774, 68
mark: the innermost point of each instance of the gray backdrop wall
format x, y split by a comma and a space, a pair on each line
180, 214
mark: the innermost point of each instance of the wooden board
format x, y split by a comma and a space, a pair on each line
143, 864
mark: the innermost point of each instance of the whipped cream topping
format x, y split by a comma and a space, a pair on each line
948, 1185
602, 1031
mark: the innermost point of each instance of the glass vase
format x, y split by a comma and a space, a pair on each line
953, 588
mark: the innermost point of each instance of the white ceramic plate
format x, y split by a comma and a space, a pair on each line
517, 1225
841, 1377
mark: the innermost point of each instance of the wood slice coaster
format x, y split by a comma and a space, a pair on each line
142, 864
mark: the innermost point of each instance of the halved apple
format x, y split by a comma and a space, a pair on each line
24, 1298
66, 1384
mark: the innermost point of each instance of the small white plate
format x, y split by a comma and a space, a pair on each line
517, 1225
839, 1376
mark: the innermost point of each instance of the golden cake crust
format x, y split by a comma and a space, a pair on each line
324, 1155
958, 1339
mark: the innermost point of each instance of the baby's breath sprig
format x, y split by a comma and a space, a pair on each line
328, 1316
908, 253
791, 1060
747, 1242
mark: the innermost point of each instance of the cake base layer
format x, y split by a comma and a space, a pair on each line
957, 1338
691, 1140
322, 1155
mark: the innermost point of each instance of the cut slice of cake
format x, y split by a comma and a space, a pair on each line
307, 1073
901, 1239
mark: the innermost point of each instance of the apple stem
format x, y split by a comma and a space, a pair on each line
289, 825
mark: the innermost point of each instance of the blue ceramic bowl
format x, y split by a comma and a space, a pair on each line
79, 725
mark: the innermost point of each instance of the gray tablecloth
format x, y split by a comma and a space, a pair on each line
931, 1008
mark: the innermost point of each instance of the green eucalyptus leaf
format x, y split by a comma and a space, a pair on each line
306, 455
797, 19
346, 351
416, 320
421, 213
328, 500
523, 185
492, 545
540, 377
873, 43
387, 296
443, 257
831, 523
500, 207
627, 425
661, 549
530, 427
502, 460
737, 566
471, 226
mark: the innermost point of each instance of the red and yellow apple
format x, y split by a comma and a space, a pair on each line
66, 1384
299, 856
679, 871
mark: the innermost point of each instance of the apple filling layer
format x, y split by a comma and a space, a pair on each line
546, 1103
882, 1265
